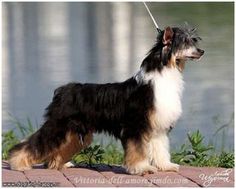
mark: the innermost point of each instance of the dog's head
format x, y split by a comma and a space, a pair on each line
173, 48
180, 45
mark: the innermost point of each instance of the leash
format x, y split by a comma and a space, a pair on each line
154, 21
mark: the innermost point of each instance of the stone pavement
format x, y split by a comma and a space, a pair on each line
115, 176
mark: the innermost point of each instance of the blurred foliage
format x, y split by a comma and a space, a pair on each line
90, 155
9, 139
196, 153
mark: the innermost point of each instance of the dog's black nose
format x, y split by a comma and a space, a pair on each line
201, 51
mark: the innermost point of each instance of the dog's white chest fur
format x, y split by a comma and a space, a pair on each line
168, 87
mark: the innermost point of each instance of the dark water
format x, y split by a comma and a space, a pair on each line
46, 45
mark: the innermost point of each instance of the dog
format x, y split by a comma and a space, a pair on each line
139, 111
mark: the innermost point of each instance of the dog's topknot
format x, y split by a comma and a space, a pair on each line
188, 32
181, 34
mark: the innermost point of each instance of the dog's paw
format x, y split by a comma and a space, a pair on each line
69, 165
168, 167
148, 169
23, 168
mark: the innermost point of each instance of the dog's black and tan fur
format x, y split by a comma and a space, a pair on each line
125, 110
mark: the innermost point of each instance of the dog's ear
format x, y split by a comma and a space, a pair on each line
168, 35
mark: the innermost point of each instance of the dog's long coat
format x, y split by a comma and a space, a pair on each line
139, 111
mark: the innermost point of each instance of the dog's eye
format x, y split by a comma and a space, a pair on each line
196, 39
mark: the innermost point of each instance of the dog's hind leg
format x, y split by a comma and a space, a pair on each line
55, 143
21, 158
33, 150
73, 144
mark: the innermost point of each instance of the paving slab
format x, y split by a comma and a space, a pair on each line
88, 177
47, 178
115, 176
169, 179
209, 176
13, 178
118, 176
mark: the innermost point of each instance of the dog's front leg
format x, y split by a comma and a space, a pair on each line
136, 160
159, 153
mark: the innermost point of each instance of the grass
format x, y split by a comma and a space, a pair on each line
194, 152
98, 154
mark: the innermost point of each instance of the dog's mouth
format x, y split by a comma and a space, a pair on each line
196, 55
193, 57
185, 58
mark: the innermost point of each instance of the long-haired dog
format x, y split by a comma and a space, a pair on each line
139, 111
